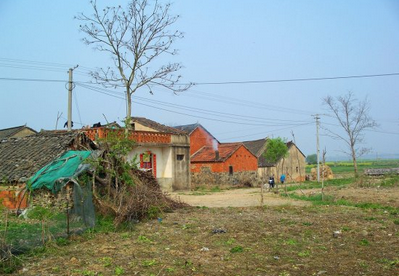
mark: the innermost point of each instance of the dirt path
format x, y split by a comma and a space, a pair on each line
235, 198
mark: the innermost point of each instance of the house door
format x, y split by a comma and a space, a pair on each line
148, 162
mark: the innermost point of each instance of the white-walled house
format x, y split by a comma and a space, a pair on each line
163, 150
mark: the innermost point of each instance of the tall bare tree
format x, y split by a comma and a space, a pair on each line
135, 38
353, 116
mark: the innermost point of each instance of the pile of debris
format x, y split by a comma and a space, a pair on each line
132, 202
375, 172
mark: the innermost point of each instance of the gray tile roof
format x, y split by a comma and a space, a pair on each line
257, 147
8, 132
157, 126
188, 128
23, 157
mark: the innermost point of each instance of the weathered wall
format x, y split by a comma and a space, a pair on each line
210, 179
22, 133
172, 174
140, 127
199, 138
293, 167
12, 197
181, 168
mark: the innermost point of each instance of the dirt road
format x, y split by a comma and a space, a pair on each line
235, 198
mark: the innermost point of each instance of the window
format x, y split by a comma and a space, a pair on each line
297, 169
180, 157
231, 170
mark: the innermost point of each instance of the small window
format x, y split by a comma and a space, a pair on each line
231, 170
297, 169
180, 157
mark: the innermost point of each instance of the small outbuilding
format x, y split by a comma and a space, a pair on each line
292, 166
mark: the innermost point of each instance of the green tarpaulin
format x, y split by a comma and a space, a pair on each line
56, 174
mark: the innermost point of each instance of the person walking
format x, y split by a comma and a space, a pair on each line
271, 182
282, 178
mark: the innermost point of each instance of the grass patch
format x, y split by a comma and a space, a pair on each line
237, 249
317, 185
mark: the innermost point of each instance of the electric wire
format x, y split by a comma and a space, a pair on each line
76, 104
263, 133
299, 79
246, 119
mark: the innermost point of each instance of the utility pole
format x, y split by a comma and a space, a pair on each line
70, 72
317, 118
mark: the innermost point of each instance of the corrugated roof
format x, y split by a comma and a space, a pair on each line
208, 154
157, 126
22, 157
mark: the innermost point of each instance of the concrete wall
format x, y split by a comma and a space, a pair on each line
164, 166
181, 168
140, 127
172, 174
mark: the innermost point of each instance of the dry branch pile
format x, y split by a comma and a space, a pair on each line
143, 199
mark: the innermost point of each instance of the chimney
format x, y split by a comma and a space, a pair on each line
217, 155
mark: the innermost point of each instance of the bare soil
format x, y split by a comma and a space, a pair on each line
283, 238
236, 198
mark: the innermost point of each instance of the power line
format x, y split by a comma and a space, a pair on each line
244, 118
271, 131
38, 80
298, 79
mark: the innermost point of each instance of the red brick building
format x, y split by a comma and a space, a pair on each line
215, 163
199, 137
231, 158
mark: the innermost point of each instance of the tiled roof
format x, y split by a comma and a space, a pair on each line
188, 128
208, 154
257, 147
22, 157
157, 126
8, 132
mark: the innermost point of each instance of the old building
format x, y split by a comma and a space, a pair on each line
21, 158
16, 132
229, 164
199, 137
293, 166
163, 150
215, 163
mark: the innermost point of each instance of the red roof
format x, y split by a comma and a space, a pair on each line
208, 153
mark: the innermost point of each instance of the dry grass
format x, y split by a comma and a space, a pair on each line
286, 240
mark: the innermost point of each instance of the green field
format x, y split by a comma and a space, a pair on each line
343, 167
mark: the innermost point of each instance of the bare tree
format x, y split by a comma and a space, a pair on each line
353, 117
135, 38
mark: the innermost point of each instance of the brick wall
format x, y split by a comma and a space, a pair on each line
241, 160
199, 138
11, 198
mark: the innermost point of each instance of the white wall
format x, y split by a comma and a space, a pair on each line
164, 159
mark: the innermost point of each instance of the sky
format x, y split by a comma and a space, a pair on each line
248, 60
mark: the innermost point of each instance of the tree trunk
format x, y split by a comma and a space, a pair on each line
354, 161
128, 122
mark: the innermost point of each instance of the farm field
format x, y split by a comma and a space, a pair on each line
346, 167
353, 231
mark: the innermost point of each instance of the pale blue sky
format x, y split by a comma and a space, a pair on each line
225, 41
